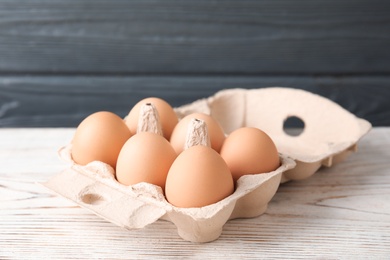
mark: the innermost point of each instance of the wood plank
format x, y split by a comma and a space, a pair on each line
65, 101
340, 212
35, 167
194, 37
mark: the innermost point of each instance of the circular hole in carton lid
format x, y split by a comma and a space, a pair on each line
293, 126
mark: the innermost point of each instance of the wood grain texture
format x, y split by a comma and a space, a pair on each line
194, 37
341, 212
65, 101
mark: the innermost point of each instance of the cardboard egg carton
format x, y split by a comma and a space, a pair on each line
94, 187
329, 135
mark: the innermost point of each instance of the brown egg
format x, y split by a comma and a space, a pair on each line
214, 129
198, 177
99, 137
167, 115
249, 150
145, 157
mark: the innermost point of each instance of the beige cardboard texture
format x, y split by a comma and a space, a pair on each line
94, 187
329, 130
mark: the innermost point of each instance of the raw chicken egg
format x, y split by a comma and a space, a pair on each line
167, 115
145, 157
249, 150
199, 176
214, 129
99, 137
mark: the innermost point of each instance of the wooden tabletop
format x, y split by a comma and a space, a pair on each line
342, 212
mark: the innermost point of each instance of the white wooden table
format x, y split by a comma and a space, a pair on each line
341, 212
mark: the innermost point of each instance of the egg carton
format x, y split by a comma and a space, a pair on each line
94, 187
330, 134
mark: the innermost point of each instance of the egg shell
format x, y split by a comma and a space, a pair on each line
198, 177
145, 157
248, 150
167, 115
215, 131
94, 187
99, 137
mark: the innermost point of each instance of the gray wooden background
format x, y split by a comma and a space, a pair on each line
61, 60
